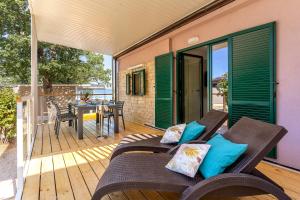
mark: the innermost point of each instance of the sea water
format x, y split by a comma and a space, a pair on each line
98, 93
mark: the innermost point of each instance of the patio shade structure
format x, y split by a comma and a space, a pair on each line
107, 27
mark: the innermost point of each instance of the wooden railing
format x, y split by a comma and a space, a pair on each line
25, 140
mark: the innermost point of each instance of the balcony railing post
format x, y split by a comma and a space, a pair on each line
34, 75
29, 128
20, 149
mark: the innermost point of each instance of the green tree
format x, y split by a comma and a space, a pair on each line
7, 114
57, 64
14, 41
222, 87
100, 75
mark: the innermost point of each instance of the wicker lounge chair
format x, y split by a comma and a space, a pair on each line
213, 120
147, 171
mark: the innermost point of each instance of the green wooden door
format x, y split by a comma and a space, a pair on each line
163, 90
252, 76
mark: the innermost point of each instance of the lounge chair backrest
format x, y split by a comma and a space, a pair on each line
212, 120
261, 138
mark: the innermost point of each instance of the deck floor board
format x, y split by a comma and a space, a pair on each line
69, 168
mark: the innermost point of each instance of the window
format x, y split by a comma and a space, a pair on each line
219, 90
138, 83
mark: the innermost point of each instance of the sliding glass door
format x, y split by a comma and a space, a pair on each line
219, 76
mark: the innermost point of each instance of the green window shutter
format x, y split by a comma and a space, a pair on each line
133, 79
143, 82
252, 82
127, 84
163, 90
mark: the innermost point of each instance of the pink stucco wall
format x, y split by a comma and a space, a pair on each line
237, 16
144, 54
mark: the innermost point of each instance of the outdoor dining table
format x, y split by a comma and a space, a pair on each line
86, 107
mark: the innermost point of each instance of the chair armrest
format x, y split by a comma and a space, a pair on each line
173, 150
64, 109
239, 182
196, 142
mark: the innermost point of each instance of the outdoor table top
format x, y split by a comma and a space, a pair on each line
91, 104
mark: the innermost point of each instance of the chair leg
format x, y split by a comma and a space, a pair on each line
102, 124
75, 122
55, 124
58, 129
123, 122
55, 128
108, 119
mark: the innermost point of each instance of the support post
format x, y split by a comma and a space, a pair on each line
20, 149
34, 75
114, 79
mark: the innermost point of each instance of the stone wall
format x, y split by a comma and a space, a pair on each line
139, 109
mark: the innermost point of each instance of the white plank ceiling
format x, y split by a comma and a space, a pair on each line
106, 26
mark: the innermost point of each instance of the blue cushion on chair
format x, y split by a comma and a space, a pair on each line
221, 154
191, 132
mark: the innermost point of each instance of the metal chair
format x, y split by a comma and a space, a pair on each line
120, 106
104, 112
63, 115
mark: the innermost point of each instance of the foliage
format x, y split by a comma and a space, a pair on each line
57, 64
7, 113
15, 40
222, 87
100, 75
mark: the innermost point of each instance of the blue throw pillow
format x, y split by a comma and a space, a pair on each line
221, 154
191, 132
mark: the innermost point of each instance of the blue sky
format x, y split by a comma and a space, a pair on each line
220, 62
107, 61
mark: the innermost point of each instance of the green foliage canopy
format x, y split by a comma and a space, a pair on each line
7, 113
100, 75
56, 64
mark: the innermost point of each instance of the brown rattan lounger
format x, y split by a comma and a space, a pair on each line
213, 120
147, 171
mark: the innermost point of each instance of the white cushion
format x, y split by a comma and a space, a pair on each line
173, 134
188, 159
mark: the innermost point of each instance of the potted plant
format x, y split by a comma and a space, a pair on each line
85, 96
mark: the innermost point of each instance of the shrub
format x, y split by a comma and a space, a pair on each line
7, 114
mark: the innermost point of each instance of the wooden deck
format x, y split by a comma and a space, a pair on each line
69, 168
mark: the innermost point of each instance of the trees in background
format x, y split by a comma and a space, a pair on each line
56, 64
7, 114
101, 76
222, 87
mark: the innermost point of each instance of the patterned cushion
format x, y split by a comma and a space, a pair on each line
173, 134
188, 158
136, 137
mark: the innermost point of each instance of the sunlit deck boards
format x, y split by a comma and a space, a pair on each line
69, 168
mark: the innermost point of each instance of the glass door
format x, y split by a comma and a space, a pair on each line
193, 87
219, 76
